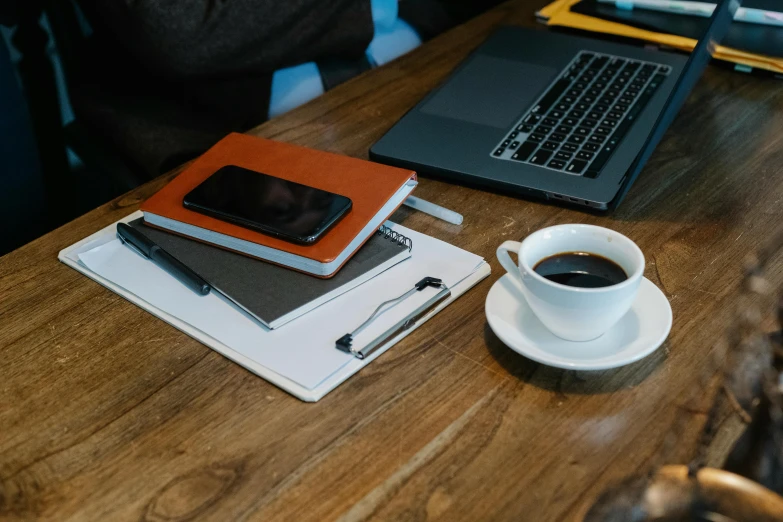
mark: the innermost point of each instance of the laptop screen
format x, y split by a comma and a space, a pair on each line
719, 25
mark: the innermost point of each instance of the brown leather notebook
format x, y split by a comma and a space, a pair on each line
375, 190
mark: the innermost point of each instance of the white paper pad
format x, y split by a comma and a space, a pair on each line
303, 351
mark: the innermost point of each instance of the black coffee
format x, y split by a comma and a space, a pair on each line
581, 269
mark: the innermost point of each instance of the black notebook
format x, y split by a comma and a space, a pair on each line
766, 40
274, 295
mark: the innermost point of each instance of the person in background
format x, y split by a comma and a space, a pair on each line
163, 81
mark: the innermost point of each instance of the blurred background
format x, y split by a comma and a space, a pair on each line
51, 170
87, 115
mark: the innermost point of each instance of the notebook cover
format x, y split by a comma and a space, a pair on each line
753, 38
265, 290
368, 185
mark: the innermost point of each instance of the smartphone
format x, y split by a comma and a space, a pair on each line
270, 205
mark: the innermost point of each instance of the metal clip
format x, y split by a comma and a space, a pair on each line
345, 342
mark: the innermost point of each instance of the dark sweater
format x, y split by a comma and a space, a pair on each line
164, 80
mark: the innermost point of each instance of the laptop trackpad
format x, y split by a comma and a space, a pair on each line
490, 91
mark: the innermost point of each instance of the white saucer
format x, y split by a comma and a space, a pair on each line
639, 333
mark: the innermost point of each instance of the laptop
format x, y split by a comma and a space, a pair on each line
541, 114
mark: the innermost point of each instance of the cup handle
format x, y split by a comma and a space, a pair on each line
505, 259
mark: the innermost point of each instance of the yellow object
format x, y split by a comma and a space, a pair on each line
559, 13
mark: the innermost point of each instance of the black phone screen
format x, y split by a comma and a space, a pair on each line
271, 205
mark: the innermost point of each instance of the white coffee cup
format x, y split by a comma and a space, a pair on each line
572, 313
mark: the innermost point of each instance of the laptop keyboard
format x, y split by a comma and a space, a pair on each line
581, 119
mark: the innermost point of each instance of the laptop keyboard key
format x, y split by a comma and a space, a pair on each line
597, 165
597, 138
550, 145
615, 63
562, 155
587, 156
603, 131
576, 166
656, 81
587, 122
557, 137
536, 138
533, 119
556, 164
551, 96
601, 158
524, 151
543, 130
576, 114
582, 131
499, 151
569, 147
540, 157
556, 114
591, 147
563, 129
551, 122
576, 139
514, 145
599, 62
570, 121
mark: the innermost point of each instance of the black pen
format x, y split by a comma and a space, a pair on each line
147, 248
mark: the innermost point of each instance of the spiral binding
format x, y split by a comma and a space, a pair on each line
398, 238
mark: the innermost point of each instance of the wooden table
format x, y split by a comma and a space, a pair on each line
107, 413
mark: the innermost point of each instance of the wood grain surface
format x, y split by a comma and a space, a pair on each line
107, 413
